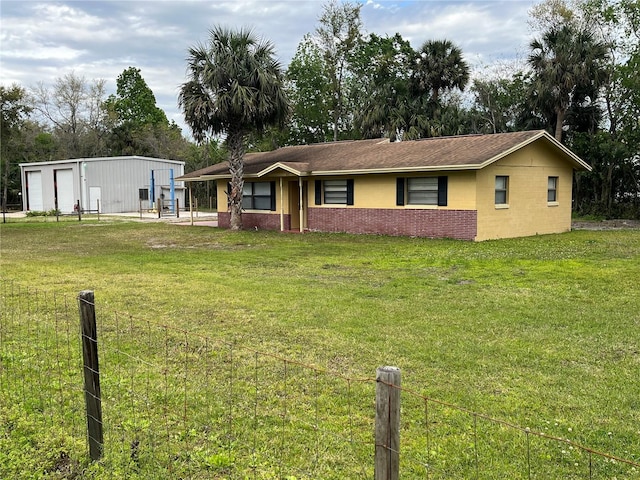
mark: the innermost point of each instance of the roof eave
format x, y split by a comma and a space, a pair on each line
200, 178
422, 168
325, 173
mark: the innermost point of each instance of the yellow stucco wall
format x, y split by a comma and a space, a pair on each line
372, 191
528, 212
222, 196
379, 191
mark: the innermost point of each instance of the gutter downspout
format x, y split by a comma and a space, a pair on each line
172, 192
152, 192
82, 180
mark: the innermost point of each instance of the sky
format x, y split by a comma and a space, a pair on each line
41, 41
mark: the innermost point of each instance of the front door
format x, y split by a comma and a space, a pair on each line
298, 205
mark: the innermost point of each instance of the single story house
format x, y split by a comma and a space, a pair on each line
107, 184
471, 187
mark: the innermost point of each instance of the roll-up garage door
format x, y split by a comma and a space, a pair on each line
64, 190
34, 191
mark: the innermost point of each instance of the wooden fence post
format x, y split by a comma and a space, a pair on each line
159, 207
79, 211
177, 208
92, 397
387, 454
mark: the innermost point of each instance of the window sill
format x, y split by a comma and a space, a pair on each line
502, 206
553, 204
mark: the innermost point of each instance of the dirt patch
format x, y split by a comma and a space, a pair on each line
619, 224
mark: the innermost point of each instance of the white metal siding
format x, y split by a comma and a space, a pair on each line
95, 199
121, 179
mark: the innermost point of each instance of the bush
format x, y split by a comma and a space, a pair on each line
37, 213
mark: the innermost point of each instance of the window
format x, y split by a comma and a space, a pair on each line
334, 192
552, 189
422, 191
502, 190
259, 196
143, 193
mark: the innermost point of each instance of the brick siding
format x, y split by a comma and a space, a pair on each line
459, 224
262, 221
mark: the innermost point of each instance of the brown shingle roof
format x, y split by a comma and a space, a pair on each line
378, 155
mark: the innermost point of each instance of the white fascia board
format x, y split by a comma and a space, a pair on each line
282, 166
435, 168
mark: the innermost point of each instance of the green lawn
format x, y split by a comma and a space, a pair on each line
542, 332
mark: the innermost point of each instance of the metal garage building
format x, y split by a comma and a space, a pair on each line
114, 184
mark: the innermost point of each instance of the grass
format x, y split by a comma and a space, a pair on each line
542, 332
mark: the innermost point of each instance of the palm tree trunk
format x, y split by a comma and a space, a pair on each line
236, 169
559, 123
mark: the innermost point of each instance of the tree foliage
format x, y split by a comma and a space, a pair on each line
308, 87
439, 67
138, 125
134, 104
381, 86
569, 69
14, 110
337, 35
73, 111
502, 103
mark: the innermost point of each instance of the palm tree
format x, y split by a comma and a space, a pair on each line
566, 61
235, 86
440, 67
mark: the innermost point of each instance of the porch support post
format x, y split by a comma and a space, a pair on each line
300, 203
190, 203
281, 206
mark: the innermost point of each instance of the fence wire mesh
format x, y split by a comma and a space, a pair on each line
181, 405
191, 404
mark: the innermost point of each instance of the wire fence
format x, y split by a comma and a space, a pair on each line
181, 405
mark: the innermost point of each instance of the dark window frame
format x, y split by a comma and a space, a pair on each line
253, 200
321, 192
403, 192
